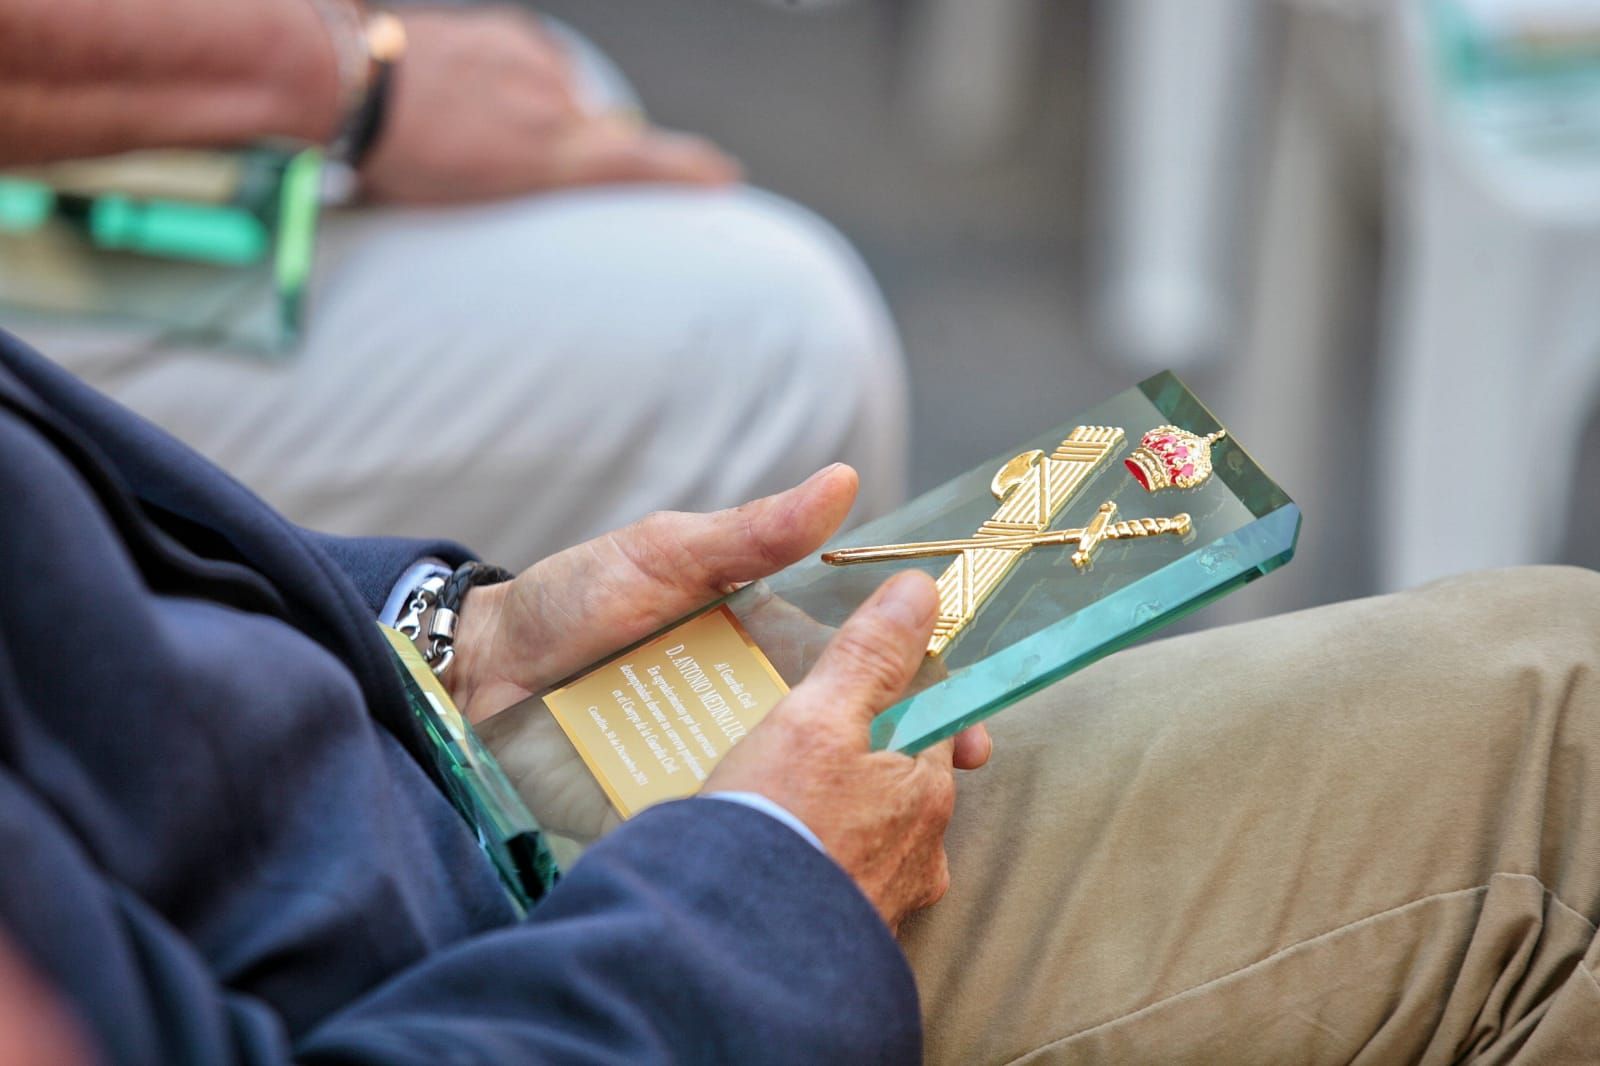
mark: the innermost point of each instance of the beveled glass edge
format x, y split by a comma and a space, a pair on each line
506, 830
1165, 391
519, 830
1177, 402
1037, 661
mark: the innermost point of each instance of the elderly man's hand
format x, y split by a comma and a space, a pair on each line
484, 106
565, 612
880, 815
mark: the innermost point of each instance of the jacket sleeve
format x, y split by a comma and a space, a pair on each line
374, 564
133, 724
699, 932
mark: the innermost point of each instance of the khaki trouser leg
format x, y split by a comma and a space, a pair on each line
1365, 833
607, 352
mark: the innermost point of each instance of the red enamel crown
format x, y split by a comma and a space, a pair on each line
1169, 457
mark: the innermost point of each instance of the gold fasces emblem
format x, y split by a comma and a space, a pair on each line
1032, 489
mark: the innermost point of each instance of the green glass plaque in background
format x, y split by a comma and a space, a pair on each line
210, 247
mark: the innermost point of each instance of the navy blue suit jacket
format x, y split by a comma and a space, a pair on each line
218, 843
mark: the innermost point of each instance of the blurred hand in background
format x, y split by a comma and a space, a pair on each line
486, 105
485, 102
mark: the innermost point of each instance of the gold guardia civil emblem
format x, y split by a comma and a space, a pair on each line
1032, 489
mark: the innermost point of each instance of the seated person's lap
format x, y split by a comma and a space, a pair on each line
1355, 830
523, 375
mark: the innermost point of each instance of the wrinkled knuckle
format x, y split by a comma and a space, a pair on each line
795, 734
757, 534
942, 798
936, 790
655, 548
804, 725
902, 630
867, 666
655, 525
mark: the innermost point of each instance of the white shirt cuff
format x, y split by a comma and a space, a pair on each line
756, 801
394, 608
423, 569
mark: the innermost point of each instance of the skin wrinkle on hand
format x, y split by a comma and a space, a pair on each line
880, 814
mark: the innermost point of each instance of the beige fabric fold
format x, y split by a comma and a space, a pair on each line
1366, 833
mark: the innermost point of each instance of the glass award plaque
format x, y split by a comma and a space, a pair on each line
1083, 540
214, 247
473, 782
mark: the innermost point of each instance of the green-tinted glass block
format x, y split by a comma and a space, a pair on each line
1049, 618
24, 205
211, 248
476, 786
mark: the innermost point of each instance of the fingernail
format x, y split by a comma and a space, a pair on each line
905, 599
824, 472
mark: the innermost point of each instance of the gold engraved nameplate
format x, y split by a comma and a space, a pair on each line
1032, 489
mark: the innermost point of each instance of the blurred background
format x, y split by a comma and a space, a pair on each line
1368, 235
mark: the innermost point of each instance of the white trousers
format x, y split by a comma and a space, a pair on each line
526, 374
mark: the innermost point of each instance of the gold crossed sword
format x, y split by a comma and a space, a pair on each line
1088, 539
1032, 489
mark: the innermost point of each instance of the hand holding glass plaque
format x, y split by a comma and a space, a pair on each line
1094, 534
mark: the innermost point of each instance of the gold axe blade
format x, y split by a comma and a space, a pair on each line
1032, 489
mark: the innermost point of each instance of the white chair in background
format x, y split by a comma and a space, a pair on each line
1178, 99
1489, 346
966, 81
1492, 362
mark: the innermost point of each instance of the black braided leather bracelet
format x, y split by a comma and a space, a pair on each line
447, 609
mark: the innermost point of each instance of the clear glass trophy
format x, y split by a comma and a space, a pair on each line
1086, 539
214, 247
